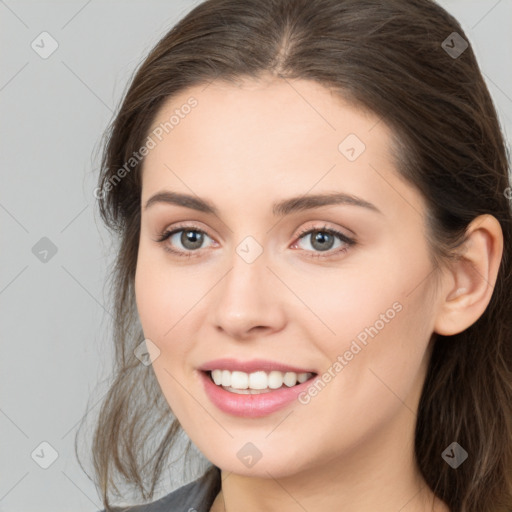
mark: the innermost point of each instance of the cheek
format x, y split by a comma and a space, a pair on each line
374, 318
163, 292
163, 300
170, 299
388, 368
153, 304
148, 291
350, 302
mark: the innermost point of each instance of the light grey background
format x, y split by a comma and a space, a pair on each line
55, 345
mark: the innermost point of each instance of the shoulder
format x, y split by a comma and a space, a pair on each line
196, 496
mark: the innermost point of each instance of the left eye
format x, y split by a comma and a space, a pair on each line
324, 239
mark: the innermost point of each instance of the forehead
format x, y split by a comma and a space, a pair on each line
284, 111
269, 136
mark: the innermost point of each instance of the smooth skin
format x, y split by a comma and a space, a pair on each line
243, 148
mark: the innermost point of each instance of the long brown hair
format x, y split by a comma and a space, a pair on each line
391, 58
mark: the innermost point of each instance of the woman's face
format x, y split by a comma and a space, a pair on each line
256, 294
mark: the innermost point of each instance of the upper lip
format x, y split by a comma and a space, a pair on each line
251, 366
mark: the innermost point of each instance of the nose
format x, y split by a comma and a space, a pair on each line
247, 301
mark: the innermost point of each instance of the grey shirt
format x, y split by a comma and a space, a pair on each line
197, 496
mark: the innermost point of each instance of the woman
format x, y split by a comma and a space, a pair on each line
312, 203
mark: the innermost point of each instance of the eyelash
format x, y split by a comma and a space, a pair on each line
349, 242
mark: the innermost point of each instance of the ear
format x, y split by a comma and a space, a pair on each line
467, 288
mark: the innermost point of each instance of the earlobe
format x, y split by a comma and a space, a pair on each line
467, 292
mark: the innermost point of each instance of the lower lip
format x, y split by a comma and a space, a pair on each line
252, 406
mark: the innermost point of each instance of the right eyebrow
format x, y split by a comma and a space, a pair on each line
186, 200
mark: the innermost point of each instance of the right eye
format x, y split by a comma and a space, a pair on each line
190, 237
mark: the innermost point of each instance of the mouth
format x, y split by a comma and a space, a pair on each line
254, 388
257, 382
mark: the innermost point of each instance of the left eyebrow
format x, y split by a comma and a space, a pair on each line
281, 208
301, 203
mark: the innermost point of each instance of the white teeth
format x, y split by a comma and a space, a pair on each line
259, 380
290, 379
217, 377
226, 378
239, 380
302, 377
275, 380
